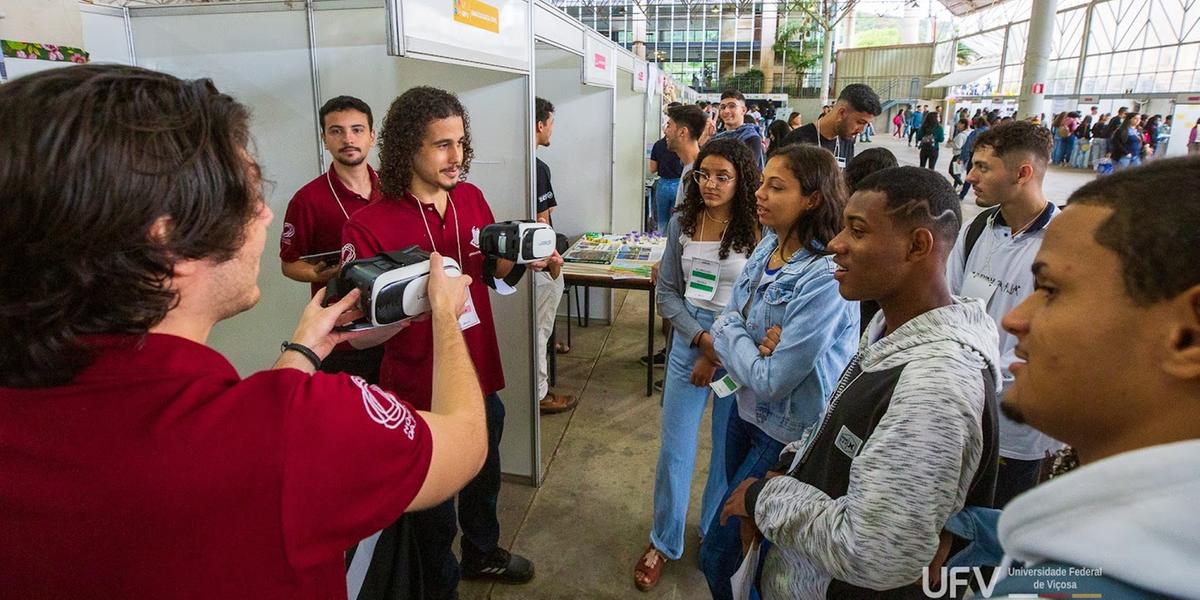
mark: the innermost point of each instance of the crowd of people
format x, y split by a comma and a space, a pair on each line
1096, 141
889, 384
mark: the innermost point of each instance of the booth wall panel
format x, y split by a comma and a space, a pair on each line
580, 155
629, 173
262, 60
550, 25
352, 59
105, 37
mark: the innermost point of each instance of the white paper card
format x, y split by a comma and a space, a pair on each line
703, 279
743, 580
469, 318
724, 386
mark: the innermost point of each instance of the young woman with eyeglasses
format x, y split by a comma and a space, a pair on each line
708, 242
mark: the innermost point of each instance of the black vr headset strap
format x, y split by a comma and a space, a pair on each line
489, 273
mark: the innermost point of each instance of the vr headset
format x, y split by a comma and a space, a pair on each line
393, 286
519, 241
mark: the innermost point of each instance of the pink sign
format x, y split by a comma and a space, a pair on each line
601, 61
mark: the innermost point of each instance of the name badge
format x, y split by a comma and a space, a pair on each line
469, 318
841, 162
703, 279
978, 286
724, 386
847, 442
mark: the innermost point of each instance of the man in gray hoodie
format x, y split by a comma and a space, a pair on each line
910, 435
1108, 351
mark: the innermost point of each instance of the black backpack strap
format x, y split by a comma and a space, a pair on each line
974, 230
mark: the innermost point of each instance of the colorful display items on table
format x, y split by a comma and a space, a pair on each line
620, 256
35, 51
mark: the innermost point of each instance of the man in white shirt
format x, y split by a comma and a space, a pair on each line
991, 261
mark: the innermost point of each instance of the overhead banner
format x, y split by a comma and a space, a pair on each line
483, 32
641, 76
599, 65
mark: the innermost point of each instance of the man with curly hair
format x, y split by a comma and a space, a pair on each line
425, 153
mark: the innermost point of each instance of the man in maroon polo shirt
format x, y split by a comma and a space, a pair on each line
134, 461
426, 152
316, 214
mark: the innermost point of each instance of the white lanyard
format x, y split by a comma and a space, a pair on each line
335, 196
429, 232
333, 191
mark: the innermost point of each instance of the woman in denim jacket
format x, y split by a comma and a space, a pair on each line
785, 291
708, 242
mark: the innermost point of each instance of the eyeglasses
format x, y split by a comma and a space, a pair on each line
703, 178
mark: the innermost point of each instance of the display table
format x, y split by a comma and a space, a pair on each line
618, 262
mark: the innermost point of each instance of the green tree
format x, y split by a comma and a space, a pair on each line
749, 81
801, 52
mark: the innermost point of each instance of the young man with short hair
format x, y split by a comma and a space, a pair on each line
837, 129
316, 213
909, 437
1108, 351
981, 125
548, 284
426, 152
685, 127
991, 261
733, 117
147, 467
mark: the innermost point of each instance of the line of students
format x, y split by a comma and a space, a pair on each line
857, 490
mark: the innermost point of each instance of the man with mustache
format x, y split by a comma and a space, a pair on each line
315, 215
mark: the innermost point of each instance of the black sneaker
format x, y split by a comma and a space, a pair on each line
660, 358
658, 385
502, 566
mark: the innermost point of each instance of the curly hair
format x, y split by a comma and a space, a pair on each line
741, 233
404, 129
91, 159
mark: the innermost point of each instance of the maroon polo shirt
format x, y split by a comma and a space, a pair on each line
394, 224
158, 472
314, 219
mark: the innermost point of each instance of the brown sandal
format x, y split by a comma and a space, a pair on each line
648, 569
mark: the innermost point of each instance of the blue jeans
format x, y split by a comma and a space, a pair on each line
1079, 156
748, 453
1129, 160
434, 529
683, 409
664, 201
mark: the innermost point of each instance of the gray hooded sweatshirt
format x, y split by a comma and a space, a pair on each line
865, 501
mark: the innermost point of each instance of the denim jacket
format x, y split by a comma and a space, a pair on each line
784, 394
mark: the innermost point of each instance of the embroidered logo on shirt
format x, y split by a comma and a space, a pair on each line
475, 236
847, 442
347, 253
384, 408
289, 231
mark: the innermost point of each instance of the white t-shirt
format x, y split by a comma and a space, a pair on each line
1003, 261
731, 268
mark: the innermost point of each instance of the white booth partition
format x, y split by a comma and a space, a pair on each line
283, 59
580, 155
629, 166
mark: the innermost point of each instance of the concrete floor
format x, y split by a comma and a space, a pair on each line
589, 522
